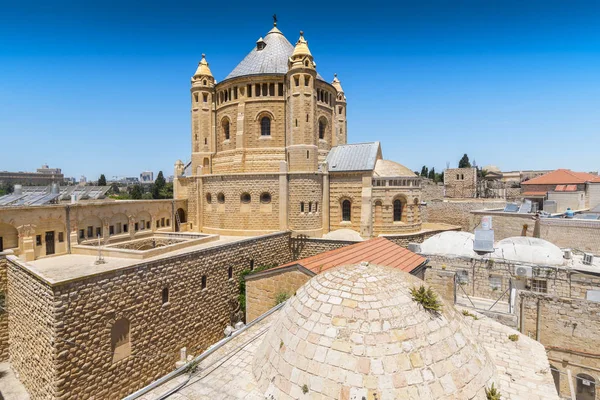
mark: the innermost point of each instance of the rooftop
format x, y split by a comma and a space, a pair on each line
355, 332
68, 267
562, 177
376, 251
353, 157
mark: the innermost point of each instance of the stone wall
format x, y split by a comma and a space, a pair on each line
261, 293
345, 186
442, 282
431, 191
308, 247
32, 333
458, 212
78, 317
570, 331
306, 189
583, 235
3, 308
460, 183
405, 239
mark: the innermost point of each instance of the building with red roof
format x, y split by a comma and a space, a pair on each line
263, 289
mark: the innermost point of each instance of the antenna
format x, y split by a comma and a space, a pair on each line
100, 259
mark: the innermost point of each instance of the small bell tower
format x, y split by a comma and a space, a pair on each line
341, 127
203, 110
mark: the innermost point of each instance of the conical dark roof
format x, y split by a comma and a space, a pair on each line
272, 59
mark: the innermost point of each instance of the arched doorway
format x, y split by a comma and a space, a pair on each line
9, 237
180, 219
586, 387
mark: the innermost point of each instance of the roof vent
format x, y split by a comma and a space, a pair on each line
588, 258
260, 44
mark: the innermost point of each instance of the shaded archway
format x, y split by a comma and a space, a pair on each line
181, 219
586, 387
9, 237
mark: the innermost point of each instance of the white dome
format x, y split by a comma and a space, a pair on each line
344, 234
355, 331
450, 244
528, 250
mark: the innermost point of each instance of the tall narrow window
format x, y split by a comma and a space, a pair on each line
230, 272
316, 206
203, 283
265, 126
271, 89
397, 210
264, 90
226, 129
195, 97
204, 97
297, 80
322, 129
165, 295
280, 89
252, 265
249, 89
257, 89
301, 206
346, 210
306, 80
235, 93
310, 206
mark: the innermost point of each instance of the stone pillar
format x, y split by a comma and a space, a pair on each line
366, 214
325, 202
283, 196
29, 248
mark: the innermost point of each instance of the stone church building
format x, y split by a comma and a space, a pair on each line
269, 153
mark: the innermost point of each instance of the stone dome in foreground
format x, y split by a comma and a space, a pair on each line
355, 332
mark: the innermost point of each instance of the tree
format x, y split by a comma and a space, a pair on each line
167, 191
136, 192
424, 171
102, 180
432, 174
158, 185
464, 162
114, 188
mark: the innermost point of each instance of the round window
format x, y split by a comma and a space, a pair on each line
245, 198
221, 198
208, 198
265, 198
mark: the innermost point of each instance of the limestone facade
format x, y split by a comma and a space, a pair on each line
107, 335
260, 141
460, 183
36, 232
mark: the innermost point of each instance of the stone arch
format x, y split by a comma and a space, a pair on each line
91, 221
162, 219
378, 211
345, 209
323, 128
144, 220
118, 223
225, 128
586, 387
403, 204
120, 339
182, 215
9, 237
264, 113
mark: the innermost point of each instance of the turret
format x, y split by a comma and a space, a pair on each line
203, 84
341, 131
302, 151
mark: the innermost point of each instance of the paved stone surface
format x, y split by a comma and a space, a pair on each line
10, 387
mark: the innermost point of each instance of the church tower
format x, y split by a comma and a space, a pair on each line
203, 146
341, 127
301, 131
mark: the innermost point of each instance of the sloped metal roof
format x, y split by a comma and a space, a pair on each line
272, 59
353, 157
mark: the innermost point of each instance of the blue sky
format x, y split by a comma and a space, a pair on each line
103, 87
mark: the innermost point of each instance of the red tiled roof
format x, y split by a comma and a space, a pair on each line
562, 177
534, 193
380, 251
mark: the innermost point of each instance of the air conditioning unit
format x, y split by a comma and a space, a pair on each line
525, 272
414, 247
588, 258
567, 254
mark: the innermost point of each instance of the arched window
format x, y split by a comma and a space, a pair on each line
245, 198
586, 387
397, 210
346, 210
226, 129
221, 198
322, 126
265, 126
119, 340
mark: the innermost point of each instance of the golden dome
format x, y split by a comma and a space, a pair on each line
203, 67
301, 48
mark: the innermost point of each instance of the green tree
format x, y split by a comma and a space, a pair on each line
114, 188
136, 192
464, 162
167, 191
431, 174
102, 180
158, 185
424, 171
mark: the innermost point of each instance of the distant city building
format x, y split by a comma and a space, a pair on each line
70, 181
82, 180
43, 176
147, 177
130, 180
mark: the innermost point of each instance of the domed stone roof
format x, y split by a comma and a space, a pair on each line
387, 168
528, 250
491, 168
355, 332
270, 59
450, 244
